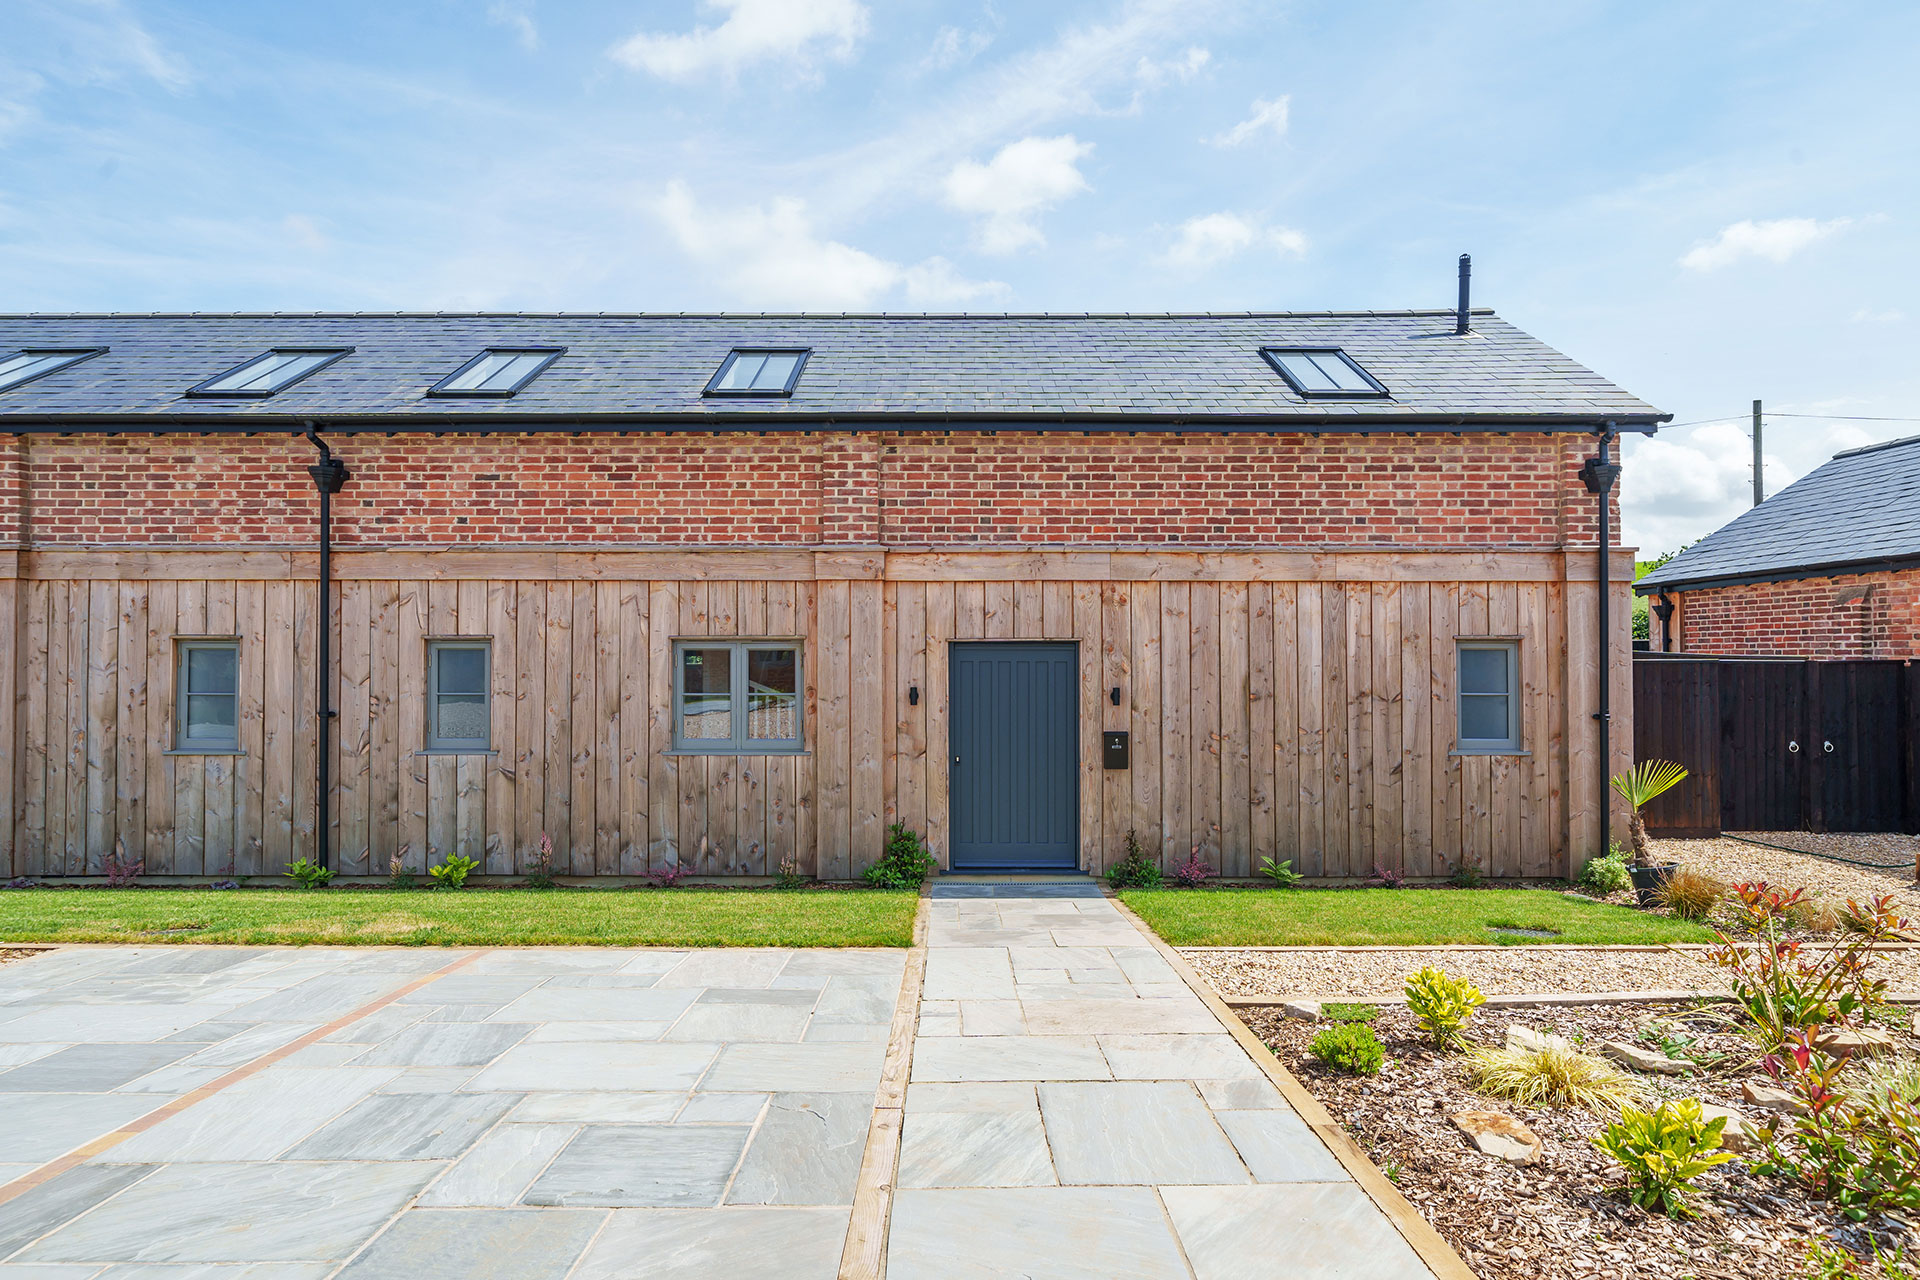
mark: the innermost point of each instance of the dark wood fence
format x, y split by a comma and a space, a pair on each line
1780, 744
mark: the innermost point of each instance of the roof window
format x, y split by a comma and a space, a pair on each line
759, 371
1322, 373
272, 371
37, 362
497, 371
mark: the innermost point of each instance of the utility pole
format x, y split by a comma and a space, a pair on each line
1759, 481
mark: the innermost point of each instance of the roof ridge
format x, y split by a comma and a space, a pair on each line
1408, 313
1875, 448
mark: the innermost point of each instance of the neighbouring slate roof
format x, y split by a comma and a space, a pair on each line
1858, 511
1196, 368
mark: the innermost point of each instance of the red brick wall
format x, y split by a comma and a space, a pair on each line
1432, 491
1805, 618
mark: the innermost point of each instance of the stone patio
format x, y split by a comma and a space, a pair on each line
1073, 1110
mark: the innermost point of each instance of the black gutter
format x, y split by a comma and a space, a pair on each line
1831, 569
329, 475
1600, 474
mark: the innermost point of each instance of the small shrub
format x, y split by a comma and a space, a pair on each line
789, 876
540, 865
453, 873
1193, 873
1442, 1005
905, 864
120, 873
1552, 1077
1662, 1151
1607, 875
1135, 870
1781, 986
1832, 1262
1351, 1048
308, 874
669, 876
1760, 904
1349, 1012
1281, 873
398, 875
1859, 1152
1467, 875
1676, 1042
1889, 1080
1690, 894
1387, 877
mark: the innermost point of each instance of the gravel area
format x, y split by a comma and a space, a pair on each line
1562, 1218
1738, 860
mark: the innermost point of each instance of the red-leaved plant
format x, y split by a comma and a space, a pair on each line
1194, 872
1781, 986
1861, 1152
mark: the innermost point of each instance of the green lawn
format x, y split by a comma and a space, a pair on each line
464, 918
1398, 917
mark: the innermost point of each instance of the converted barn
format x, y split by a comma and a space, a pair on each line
736, 592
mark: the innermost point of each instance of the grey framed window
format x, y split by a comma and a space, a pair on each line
758, 371
1323, 373
497, 371
1489, 693
17, 367
207, 696
269, 372
734, 697
458, 694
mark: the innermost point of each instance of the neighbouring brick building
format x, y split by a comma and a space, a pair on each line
734, 592
1827, 568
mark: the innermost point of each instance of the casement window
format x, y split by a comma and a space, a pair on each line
758, 371
732, 697
458, 693
497, 371
269, 372
1325, 373
17, 367
207, 696
1489, 693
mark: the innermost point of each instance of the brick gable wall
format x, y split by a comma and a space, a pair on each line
1806, 618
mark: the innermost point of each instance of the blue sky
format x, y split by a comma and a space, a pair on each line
1708, 203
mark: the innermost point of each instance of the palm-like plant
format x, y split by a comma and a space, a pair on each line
1648, 779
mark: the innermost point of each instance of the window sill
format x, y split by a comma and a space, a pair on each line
739, 751
203, 751
1488, 751
456, 751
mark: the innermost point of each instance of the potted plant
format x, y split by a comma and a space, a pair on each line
1648, 779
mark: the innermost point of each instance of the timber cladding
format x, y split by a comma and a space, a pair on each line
1289, 704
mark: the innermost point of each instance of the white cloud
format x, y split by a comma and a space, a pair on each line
1023, 180
1676, 490
305, 231
1269, 116
1181, 69
771, 256
1213, 238
790, 31
1866, 315
1775, 240
952, 46
515, 18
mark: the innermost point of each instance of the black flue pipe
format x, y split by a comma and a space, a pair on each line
1600, 474
1466, 278
329, 475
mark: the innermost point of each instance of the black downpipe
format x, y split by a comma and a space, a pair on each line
1600, 474
329, 475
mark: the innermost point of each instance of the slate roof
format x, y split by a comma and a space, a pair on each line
1858, 512
1202, 370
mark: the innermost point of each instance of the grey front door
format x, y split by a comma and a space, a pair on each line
1014, 757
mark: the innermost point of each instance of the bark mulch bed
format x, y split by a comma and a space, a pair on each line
1562, 1218
18, 953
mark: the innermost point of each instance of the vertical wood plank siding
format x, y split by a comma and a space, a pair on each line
1310, 720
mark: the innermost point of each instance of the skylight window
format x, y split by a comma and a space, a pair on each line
38, 362
758, 371
1322, 373
497, 371
273, 371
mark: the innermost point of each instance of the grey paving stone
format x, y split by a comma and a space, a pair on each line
1179, 1057
100, 1024
1252, 1093
655, 1166
14, 1055
806, 1151
1121, 1017
36, 1212
580, 1004
255, 1119
91, 1068
379, 1026
846, 1033
722, 1108
651, 961
1009, 1058
996, 1097
209, 1271
1135, 1132
968, 973
42, 1126
176, 1079
500, 1166
1116, 1233
786, 997
580, 1032
583, 1067
423, 1126
1278, 1147
1326, 1231
318, 1000
598, 1108
427, 1080
446, 1044
543, 961
249, 1043
601, 981
992, 1018
323, 1055
467, 988
239, 1213
858, 1000
796, 1068
461, 1012
477, 1244
727, 968
975, 1149
736, 1244
51, 1271
872, 964
741, 1023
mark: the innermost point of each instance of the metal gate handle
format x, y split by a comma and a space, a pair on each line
1829, 747
1793, 747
